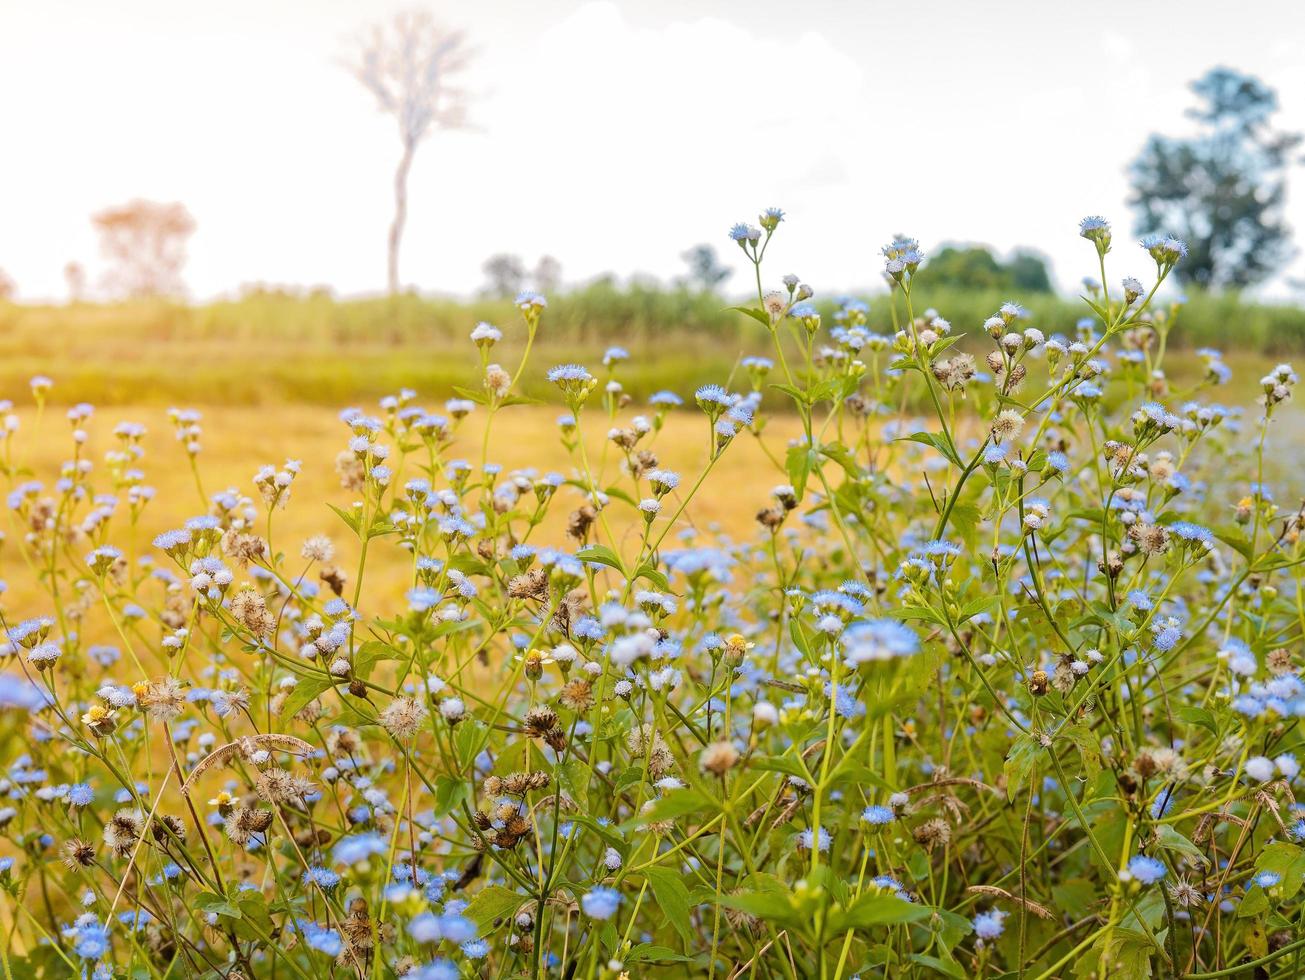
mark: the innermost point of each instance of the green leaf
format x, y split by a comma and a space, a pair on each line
1234, 539
1254, 903
965, 522
493, 902
654, 575
518, 400
619, 494
798, 463
469, 741
937, 441
1171, 840
794, 392
1097, 309
672, 900
450, 792
602, 555
349, 517
1195, 715
777, 763
371, 653
1088, 748
1021, 763
1287, 860
470, 394
874, 909
217, 904
976, 607
948, 968
917, 612
843, 456
646, 953
770, 906
850, 770
306, 691
759, 315
799, 635
676, 803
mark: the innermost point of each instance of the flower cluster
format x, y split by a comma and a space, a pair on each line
1005, 676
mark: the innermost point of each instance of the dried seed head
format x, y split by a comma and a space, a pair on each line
580, 521
162, 699
334, 577
277, 786
1039, 683
167, 828
521, 783
403, 717
933, 833
250, 610
539, 721
719, 758
78, 853
577, 696
1185, 894
123, 830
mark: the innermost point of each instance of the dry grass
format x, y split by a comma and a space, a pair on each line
239, 439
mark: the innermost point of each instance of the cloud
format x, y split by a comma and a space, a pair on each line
652, 137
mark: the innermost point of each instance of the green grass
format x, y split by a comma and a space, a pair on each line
272, 347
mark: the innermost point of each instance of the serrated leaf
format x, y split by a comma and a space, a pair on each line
350, 518
1171, 840
676, 803
977, 607
936, 441
875, 909
798, 463
654, 575
1196, 715
770, 906
493, 902
602, 555
211, 902
794, 392
672, 900
370, 654
1236, 540
759, 315
304, 693
1021, 763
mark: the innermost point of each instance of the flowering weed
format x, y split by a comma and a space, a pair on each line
1013, 691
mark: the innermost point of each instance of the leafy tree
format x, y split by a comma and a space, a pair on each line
974, 267
506, 274
145, 243
1221, 190
547, 275
705, 270
1028, 273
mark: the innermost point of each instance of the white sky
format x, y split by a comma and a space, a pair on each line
612, 136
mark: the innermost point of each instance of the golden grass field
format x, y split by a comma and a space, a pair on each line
239, 439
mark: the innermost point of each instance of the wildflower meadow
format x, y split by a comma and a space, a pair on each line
994, 673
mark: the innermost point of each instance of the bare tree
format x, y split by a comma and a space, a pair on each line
8, 288
409, 65
145, 243
547, 274
75, 276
